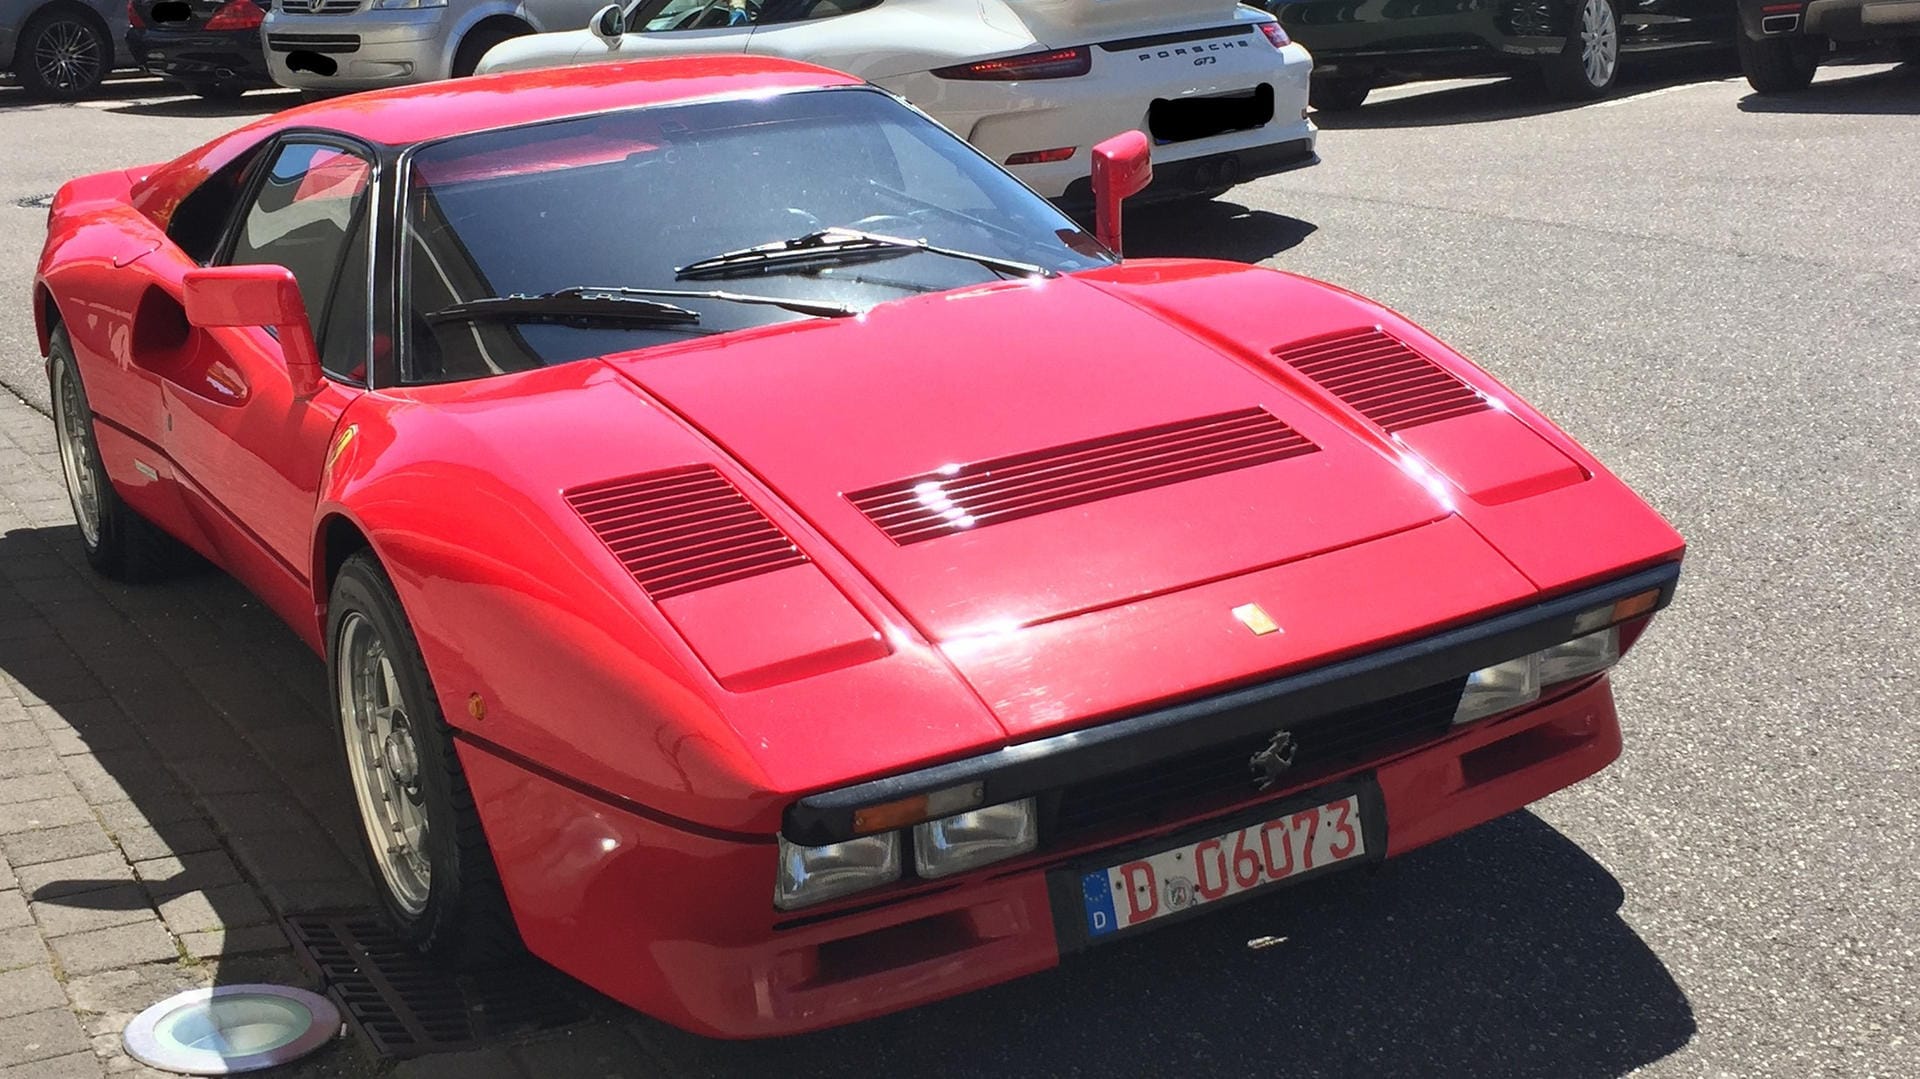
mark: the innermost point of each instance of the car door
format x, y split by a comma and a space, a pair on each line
249, 448
674, 28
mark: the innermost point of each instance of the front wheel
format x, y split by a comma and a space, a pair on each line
1587, 66
62, 54
1779, 65
429, 859
481, 39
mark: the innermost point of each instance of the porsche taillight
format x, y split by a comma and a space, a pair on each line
1276, 34
237, 15
1053, 64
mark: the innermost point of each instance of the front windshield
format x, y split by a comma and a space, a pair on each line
624, 199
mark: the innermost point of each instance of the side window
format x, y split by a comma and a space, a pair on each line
201, 218
656, 16
345, 341
777, 11
305, 216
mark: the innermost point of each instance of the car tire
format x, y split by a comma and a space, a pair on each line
1338, 95
437, 882
62, 54
1779, 65
1589, 63
479, 40
119, 543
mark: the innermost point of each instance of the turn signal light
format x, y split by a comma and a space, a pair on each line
1055, 64
1276, 34
903, 812
1617, 612
237, 15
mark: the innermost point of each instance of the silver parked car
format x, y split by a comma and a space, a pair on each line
60, 49
323, 46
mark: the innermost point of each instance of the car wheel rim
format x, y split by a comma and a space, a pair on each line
77, 457
67, 56
384, 759
1599, 41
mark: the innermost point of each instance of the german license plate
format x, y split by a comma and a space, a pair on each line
1209, 870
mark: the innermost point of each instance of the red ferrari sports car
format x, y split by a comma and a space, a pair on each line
779, 570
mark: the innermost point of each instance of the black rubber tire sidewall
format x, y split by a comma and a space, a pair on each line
475, 45
25, 70
1779, 65
1338, 95
458, 887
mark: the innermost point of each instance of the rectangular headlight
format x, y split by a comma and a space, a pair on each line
963, 841
1582, 655
1491, 690
810, 875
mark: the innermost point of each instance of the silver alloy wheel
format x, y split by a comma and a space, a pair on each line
384, 762
68, 55
72, 425
1599, 41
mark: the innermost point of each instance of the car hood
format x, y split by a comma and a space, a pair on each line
1020, 453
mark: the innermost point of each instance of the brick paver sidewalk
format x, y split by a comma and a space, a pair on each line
168, 788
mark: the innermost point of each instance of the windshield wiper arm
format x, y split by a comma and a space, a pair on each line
840, 245
619, 303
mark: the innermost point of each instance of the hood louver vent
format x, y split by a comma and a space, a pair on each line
683, 530
1383, 379
1008, 488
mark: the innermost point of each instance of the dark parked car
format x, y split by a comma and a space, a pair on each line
1576, 44
210, 47
1783, 41
60, 49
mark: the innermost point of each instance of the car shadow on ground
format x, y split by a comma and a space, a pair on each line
1500, 952
1891, 91
118, 87
1494, 100
253, 103
1220, 228
179, 729
192, 722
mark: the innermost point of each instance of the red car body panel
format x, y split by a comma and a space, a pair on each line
614, 742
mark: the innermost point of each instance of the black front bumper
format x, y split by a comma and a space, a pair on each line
1211, 174
202, 57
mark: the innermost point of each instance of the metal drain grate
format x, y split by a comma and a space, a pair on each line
406, 1007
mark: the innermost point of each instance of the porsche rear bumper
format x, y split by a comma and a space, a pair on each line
680, 924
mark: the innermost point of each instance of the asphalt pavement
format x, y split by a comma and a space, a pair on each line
1720, 295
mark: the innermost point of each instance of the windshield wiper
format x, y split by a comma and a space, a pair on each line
617, 304
839, 245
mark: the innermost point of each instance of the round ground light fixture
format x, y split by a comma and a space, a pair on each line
231, 1028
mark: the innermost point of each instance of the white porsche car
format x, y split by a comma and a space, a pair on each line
1032, 83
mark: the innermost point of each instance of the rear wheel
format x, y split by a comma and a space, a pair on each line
1779, 65
118, 542
429, 859
480, 39
63, 53
1587, 67
1338, 95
